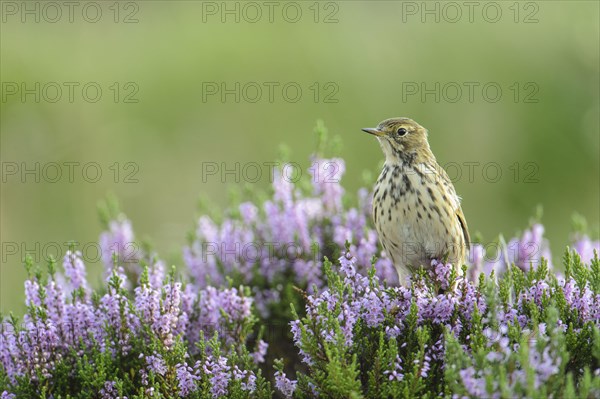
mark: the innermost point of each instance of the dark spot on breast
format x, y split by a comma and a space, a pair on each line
430, 191
406, 181
436, 209
419, 173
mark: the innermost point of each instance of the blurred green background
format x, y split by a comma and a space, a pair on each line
369, 53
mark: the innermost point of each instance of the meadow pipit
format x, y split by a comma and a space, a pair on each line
416, 210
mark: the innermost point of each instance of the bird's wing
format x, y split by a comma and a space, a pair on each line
459, 213
463, 225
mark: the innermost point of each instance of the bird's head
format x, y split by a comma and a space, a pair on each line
402, 140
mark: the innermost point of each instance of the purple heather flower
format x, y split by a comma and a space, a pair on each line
247, 378
32, 293
326, 177
373, 309
156, 364
309, 271
81, 324
585, 247
54, 301
476, 261
395, 373
392, 332
523, 252
426, 366
441, 273
9, 351
118, 240
220, 375
109, 391
39, 342
584, 301
166, 323
539, 290
285, 385
216, 310
297, 337
262, 297
200, 256
156, 273
350, 229
75, 270
349, 317
259, 355
186, 379
114, 310
249, 212
544, 364
347, 265
474, 385
147, 303
283, 186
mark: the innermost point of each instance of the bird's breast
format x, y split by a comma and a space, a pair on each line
413, 203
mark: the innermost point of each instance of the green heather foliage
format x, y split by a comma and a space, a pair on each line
531, 334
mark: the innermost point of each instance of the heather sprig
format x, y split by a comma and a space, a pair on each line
136, 344
446, 335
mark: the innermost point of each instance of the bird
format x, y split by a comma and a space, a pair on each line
416, 211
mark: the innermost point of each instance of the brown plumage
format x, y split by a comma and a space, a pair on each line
416, 211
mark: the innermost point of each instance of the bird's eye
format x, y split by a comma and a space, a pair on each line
402, 131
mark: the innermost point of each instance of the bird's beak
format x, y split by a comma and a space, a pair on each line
373, 131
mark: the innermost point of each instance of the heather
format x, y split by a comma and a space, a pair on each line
161, 337
288, 294
531, 335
